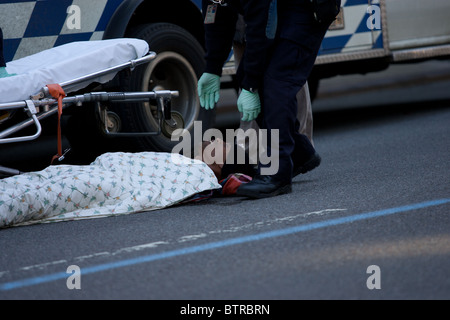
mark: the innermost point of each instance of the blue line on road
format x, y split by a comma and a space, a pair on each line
221, 244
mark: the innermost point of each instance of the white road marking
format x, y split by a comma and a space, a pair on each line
182, 239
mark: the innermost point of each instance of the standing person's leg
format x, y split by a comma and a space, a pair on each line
238, 52
284, 78
304, 113
287, 72
306, 162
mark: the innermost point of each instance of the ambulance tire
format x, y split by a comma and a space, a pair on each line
178, 65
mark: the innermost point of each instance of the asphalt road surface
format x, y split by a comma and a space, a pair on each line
372, 222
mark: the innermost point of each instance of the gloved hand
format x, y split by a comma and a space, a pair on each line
208, 87
4, 73
249, 104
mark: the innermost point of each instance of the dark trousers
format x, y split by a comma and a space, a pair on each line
291, 60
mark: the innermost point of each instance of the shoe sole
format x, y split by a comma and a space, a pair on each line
309, 165
259, 195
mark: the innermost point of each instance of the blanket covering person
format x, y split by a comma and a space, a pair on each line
115, 183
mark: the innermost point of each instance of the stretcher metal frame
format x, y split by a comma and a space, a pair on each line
42, 105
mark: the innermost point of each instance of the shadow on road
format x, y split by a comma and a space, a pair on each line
332, 119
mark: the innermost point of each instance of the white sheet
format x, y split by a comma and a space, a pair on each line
67, 62
115, 183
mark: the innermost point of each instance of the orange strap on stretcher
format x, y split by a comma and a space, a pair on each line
58, 93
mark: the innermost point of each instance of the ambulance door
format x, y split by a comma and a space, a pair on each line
357, 28
417, 23
33, 26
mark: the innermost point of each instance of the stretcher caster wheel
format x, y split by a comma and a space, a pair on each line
175, 122
110, 123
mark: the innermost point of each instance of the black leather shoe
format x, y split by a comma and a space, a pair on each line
310, 164
263, 187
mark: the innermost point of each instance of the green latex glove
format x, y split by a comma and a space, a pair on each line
208, 87
4, 73
249, 104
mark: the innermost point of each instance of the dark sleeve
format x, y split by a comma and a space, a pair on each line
219, 35
256, 14
2, 58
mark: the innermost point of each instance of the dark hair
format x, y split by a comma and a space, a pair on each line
232, 164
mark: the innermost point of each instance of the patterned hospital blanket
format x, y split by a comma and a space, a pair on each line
115, 183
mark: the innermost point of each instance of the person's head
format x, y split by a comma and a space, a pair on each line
214, 154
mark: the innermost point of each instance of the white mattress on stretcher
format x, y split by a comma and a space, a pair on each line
67, 62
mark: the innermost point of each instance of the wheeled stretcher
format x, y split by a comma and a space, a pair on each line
45, 83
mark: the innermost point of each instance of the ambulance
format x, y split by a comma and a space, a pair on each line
367, 36
370, 35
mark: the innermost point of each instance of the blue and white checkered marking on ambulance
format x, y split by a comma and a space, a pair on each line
361, 19
33, 26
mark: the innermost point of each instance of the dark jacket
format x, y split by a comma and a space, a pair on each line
219, 37
294, 21
292, 17
2, 58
